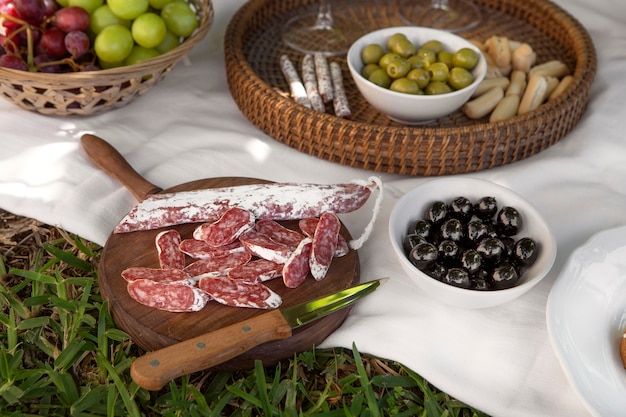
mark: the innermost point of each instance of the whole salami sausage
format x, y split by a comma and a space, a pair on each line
232, 224
274, 201
324, 245
297, 268
237, 293
217, 266
168, 250
167, 297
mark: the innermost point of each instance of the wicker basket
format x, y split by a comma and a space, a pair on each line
91, 92
450, 145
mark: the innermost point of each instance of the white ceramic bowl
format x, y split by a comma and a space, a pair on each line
409, 108
412, 207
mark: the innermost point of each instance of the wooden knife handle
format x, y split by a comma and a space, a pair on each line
155, 369
109, 160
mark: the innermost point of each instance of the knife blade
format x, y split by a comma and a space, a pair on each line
155, 369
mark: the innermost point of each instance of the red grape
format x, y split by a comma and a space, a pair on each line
72, 18
52, 43
51, 8
13, 61
32, 11
9, 10
77, 43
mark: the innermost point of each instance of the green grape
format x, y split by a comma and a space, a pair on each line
169, 42
103, 17
148, 30
89, 5
140, 54
63, 3
128, 9
179, 18
113, 44
159, 4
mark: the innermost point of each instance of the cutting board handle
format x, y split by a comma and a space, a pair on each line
109, 160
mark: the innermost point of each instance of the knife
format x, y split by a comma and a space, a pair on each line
155, 369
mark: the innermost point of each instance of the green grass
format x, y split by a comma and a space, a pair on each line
62, 355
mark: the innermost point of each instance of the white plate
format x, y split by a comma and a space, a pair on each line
586, 317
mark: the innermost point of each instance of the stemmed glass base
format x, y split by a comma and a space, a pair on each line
449, 15
323, 31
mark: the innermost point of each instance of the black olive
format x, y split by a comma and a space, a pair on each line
448, 253
423, 255
509, 244
452, 229
480, 284
525, 251
422, 228
491, 249
457, 277
509, 221
471, 261
410, 241
437, 271
486, 208
504, 276
437, 212
477, 230
461, 208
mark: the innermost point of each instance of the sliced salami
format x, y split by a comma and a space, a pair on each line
157, 275
199, 249
168, 250
279, 233
236, 293
174, 298
308, 225
259, 270
232, 224
217, 266
259, 244
324, 245
297, 268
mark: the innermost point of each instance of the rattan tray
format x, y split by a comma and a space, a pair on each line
450, 145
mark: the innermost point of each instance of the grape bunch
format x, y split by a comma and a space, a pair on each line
58, 36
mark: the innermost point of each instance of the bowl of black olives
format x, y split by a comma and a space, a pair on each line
471, 243
415, 74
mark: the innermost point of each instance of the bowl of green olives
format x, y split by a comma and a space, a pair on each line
415, 74
470, 243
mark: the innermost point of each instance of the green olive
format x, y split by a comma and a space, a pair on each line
420, 75
437, 87
404, 48
372, 53
404, 85
398, 68
428, 55
465, 58
446, 58
460, 78
417, 61
369, 69
433, 45
380, 78
438, 71
387, 58
391, 41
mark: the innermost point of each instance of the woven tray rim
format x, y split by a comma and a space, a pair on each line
243, 81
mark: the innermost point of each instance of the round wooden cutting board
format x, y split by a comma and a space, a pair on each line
154, 329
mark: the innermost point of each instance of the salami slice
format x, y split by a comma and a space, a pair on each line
227, 228
174, 298
157, 275
168, 250
236, 293
217, 266
259, 270
259, 244
297, 266
308, 225
199, 249
324, 245
279, 233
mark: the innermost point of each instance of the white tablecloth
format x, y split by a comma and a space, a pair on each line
499, 360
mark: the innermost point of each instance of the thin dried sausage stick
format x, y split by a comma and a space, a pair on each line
262, 246
274, 201
199, 249
259, 270
340, 100
297, 268
158, 275
237, 293
293, 79
227, 229
324, 80
174, 298
168, 250
308, 225
310, 83
324, 245
279, 233
218, 266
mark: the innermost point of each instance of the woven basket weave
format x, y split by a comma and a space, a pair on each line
449, 145
91, 92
